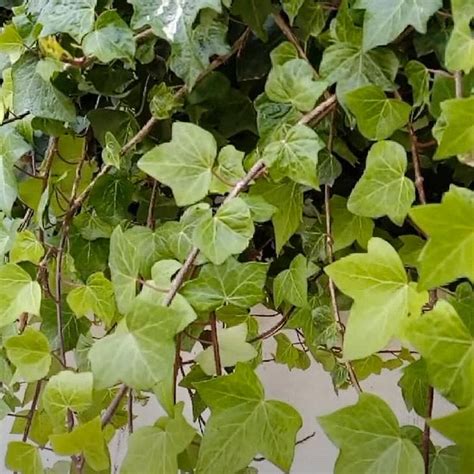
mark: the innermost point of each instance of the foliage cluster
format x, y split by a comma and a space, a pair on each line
170, 168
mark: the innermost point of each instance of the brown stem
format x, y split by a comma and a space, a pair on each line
320, 111
150, 220
273, 330
416, 165
31, 413
215, 344
458, 84
114, 404
130, 411
426, 431
177, 364
290, 36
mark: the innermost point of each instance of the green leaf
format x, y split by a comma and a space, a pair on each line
287, 197
240, 417
111, 39
369, 438
141, 351
156, 448
383, 22
30, 353
11, 42
260, 210
67, 391
26, 248
293, 83
293, 152
348, 228
75, 18
445, 461
450, 366
228, 170
169, 20
96, 297
124, 266
292, 8
24, 458
377, 117
287, 353
87, 439
291, 285
254, 13
463, 302
233, 348
8, 185
450, 229
383, 297
383, 189
458, 427
18, 293
311, 19
163, 101
232, 283
419, 79
415, 385
31, 93
111, 152
284, 53
454, 130
410, 250
349, 66
190, 55
184, 164
460, 48
226, 233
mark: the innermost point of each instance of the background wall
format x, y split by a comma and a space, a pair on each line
310, 392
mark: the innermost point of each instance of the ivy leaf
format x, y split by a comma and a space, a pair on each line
184, 164
384, 22
228, 170
30, 353
383, 189
419, 79
458, 427
348, 65
26, 248
254, 13
11, 42
292, 8
96, 297
454, 130
111, 39
240, 416
287, 197
287, 353
31, 93
111, 151
261, 210
233, 348
87, 439
142, 350
18, 293
450, 367
383, 297
293, 152
232, 283
169, 20
347, 227
67, 16
124, 266
410, 250
190, 56
460, 48
156, 448
446, 460
67, 391
450, 229
226, 233
291, 285
463, 302
369, 438
377, 117
415, 385
163, 101
24, 458
8, 185
293, 83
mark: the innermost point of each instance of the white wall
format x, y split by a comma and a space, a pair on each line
310, 392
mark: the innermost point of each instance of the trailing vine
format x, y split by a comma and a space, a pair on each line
190, 189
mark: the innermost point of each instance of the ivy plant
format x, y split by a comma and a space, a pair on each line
171, 172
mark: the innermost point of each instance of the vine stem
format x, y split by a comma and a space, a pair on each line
215, 344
